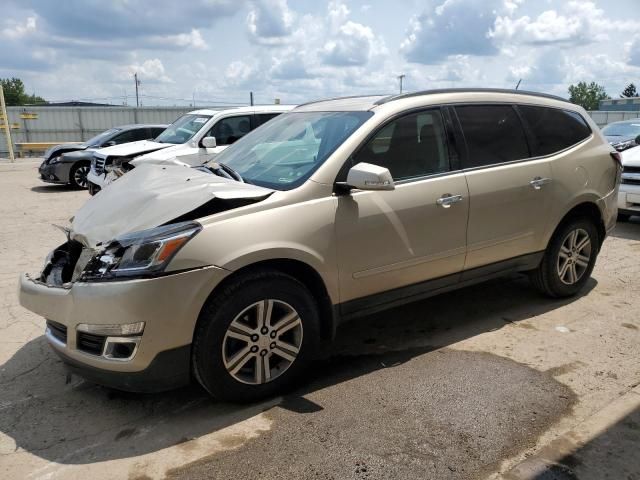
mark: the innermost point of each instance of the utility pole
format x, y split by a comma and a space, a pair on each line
135, 77
4, 118
251, 98
194, 99
401, 78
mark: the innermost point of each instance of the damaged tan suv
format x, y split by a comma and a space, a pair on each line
235, 272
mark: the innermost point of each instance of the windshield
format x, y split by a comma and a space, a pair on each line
101, 137
622, 129
183, 129
284, 152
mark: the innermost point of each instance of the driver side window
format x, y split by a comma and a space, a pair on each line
412, 146
230, 129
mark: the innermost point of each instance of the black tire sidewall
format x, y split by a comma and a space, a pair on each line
555, 285
220, 311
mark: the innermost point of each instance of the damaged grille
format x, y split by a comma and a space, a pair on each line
93, 344
98, 165
65, 264
57, 330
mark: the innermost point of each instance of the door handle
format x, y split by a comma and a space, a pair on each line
538, 182
447, 200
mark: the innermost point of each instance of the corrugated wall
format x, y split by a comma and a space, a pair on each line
74, 124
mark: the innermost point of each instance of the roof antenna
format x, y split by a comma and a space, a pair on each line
518, 85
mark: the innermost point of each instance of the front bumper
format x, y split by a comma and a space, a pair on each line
96, 179
169, 306
55, 173
629, 199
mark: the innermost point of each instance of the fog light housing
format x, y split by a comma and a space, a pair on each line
120, 348
114, 330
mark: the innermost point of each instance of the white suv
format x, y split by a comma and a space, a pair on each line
629, 194
182, 143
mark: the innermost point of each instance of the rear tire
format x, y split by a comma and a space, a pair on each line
78, 175
569, 259
255, 337
623, 217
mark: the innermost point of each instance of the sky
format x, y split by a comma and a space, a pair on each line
217, 51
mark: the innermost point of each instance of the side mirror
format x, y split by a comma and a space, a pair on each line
638, 140
365, 176
209, 142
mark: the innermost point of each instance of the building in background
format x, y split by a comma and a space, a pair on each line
621, 105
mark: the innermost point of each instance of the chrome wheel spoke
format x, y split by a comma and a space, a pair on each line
574, 256
284, 354
265, 309
263, 370
239, 360
582, 261
262, 342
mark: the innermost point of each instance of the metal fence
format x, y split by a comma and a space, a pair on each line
75, 124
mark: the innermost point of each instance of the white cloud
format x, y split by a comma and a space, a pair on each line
633, 52
455, 27
351, 46
580, 23
18, 30
269, 21
186, 40
151, 70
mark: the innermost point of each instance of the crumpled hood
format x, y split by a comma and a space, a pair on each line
63, 147
177, 155
133, 148
150, 196
631, 157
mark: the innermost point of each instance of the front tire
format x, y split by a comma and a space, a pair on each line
569, 259
255, 337
78, 175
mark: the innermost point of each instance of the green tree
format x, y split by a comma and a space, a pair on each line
629, 91
588, 96
14, 93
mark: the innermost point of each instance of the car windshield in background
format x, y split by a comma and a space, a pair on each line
622, 129
101, 137
183, 129
286, 151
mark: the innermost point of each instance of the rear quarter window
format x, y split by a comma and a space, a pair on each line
553, 129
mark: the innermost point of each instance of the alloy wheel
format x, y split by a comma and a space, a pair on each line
262, 342
574, 256
80, 176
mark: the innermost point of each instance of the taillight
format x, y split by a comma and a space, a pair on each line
617, 157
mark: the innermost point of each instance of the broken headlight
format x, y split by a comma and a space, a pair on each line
139, 254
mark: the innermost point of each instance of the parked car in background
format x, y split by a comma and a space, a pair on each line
629, 194
187, 141
69, 163
623, 135
235, 272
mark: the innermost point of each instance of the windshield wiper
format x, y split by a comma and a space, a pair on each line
226, 171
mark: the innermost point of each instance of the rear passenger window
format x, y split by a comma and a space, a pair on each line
553, 129
412, 146
493, 134
264, 117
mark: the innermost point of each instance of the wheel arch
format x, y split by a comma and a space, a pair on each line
301, 271
587, 209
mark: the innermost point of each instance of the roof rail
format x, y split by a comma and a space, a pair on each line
343, 98
391, 98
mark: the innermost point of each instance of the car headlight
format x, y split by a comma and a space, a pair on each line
54, 160
139, 254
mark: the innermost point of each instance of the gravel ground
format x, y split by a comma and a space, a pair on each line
476, 383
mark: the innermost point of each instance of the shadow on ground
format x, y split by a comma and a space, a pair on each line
629, 230
389, 355
53, 187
